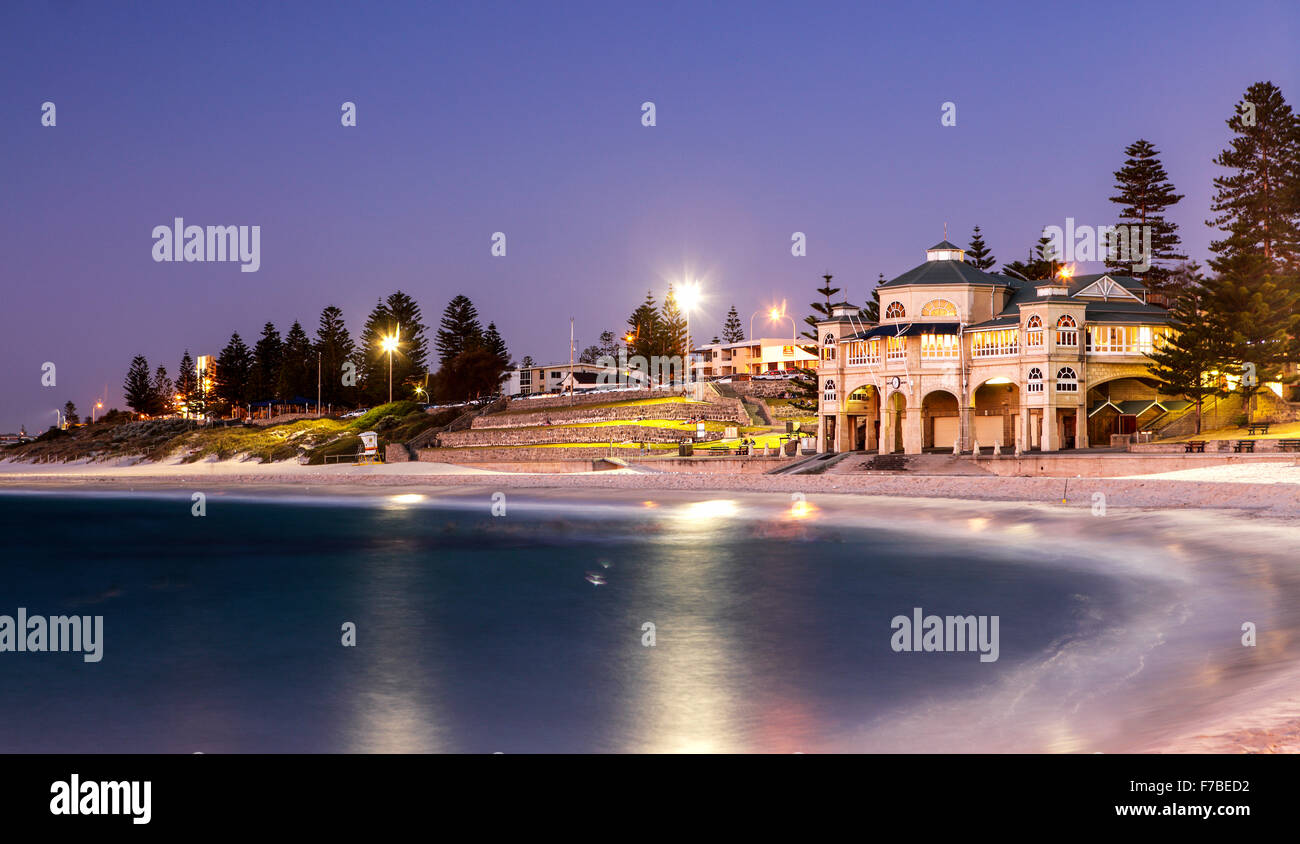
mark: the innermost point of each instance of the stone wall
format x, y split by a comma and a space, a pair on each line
721, 410
476, 456
762, 389
396, 453
546, 436
594, 398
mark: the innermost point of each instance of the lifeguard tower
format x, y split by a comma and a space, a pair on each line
369, 453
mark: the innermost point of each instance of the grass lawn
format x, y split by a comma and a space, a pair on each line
1277, 431
580, 405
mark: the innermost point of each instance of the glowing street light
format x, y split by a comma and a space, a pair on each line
389, 345
775, 315
687, 299
99, 405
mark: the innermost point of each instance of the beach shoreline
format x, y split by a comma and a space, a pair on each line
1266, 723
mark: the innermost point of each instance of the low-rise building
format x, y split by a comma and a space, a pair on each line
963, 357
753, 357
553, 377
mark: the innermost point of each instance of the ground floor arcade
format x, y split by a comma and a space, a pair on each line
997, 413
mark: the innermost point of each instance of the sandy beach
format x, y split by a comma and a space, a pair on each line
1266, 493
1267, 489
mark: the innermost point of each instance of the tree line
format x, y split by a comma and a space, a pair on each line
285, 369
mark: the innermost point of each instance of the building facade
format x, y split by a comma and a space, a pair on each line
965, 358
751, 357
553, 377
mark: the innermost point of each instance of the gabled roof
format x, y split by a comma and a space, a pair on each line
948, 272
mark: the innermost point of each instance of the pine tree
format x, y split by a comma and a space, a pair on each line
978, 254
405, 312
137, 388
1040, 265
871, 310
1259, 201
459, 329
821, 310
267, 355
70, 413
804, 385
644, 329
1255, 287
1144, 192
296, 377
187, 382
1189, 362
732, 330
335, 347
164, 397
609, 345
234, 367
494, 343
672, 326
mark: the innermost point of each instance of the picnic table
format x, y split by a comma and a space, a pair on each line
1194, 445
1254, 428
1288, 445
1245, 446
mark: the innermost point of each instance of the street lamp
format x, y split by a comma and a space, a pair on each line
774, 315
687, 299
99, 405
389, 344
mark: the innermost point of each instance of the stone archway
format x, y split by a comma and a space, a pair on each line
862, 419
940, 420
995, 412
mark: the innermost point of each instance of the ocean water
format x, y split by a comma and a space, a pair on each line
771, 621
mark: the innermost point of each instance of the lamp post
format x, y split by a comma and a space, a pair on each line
389, 345
97, 406
687, 300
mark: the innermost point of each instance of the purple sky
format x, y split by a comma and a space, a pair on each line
525, 119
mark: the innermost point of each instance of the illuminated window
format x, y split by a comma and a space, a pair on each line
895, 311
863, 352
939, 346
1066, 380
895, 348
1034, 381
1067, 331
1034, 331
986, 344
939, 307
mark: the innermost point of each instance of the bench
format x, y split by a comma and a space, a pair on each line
1258, 428
1245, 446
1194, 445
1288, 445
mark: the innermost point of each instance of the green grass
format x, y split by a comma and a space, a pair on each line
399, 409
522, 405
1276, 431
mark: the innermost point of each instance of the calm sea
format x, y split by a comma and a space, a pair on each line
528, 632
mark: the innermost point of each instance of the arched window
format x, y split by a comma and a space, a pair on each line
1067, 331
895, 311
1034, 331
1066, 380
939, 307
1034, 381
828, 390
828, 340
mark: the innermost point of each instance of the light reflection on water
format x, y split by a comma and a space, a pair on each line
772, 617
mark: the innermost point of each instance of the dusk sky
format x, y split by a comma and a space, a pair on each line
526, 119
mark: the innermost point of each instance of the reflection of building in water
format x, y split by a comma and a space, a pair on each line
963, 356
